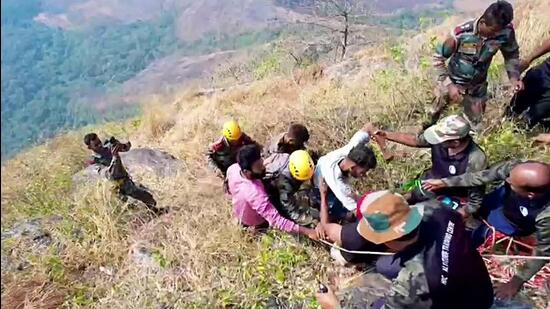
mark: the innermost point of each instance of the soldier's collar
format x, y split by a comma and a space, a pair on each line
476, 27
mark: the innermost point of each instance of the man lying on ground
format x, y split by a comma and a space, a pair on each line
251, 204
519, 206
223, 153
542, 139
438, 267
106, 156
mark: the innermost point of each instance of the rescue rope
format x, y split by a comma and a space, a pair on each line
499, 256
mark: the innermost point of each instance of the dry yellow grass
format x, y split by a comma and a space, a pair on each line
201, 258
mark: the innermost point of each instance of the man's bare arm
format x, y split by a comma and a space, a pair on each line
401, 138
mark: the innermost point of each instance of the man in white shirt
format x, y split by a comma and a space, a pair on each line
333, 173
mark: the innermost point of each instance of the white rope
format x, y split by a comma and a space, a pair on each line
519, 257
353, 251
498, 256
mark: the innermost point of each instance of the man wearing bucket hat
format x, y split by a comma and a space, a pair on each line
453, 153
366, 235
440, 268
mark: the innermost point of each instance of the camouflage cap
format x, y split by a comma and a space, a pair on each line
387, 216
447, 129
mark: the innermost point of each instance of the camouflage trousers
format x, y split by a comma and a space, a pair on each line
127, 188
301, 210
304, 214
473, 100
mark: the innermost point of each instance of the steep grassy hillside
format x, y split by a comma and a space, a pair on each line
105, 255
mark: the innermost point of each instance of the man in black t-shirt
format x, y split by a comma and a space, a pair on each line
439, 266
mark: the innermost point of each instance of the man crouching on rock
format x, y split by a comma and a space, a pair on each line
106, 156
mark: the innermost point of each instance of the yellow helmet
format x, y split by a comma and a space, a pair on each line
232, 130
301, 165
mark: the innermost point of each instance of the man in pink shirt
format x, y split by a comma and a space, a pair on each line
251, 203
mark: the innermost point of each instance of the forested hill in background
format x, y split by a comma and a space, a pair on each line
45, 70
59, 55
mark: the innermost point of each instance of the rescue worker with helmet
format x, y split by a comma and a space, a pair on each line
223, 153
285, 179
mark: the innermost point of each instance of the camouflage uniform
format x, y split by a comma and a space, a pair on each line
441, 270
293, 202
466, 65
222, 154
476, 160
111, 168
410, 288
500, 172
285, 194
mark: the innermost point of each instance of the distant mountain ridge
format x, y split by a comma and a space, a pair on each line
62, 60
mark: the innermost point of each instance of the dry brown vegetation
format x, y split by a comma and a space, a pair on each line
198, 256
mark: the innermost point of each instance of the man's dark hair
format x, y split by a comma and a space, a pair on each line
248, 155
88, 138
465, 139
299, 132
500, 13
363, 156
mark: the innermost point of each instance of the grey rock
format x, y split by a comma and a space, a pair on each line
31, 232
158, 162
343, 69
161, 163
32, 229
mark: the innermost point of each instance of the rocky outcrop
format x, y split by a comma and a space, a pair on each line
139, 160
31, 234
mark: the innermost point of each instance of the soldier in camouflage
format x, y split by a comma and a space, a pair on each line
462, 61
520, 206
107, 159
439, 266
223, 153
453, 152
285, 186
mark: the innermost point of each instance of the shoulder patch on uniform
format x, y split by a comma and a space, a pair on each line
465, 27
